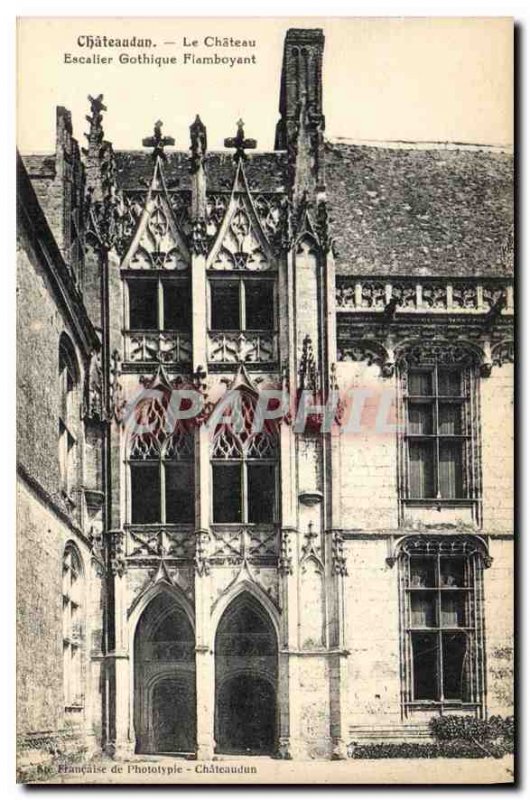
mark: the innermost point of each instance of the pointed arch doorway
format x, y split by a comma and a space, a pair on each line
246, 679
164, 679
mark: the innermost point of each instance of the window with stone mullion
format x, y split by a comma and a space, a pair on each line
245, 304
436, 441
159, 304
162, 491
67, 423
244, 469
441, 628
72, 629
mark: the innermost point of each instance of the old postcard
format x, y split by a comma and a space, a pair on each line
265, 388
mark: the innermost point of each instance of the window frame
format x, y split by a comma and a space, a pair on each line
161, 280
472, 552
241, 443
73, 649
241, 279
161, 459
244, 489
433, 357
68, 420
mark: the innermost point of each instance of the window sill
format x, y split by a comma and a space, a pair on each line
446, 705
251, 525
146, 527
430, 502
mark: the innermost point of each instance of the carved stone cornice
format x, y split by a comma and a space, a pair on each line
385, 344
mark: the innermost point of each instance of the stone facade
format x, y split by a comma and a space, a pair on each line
215, 579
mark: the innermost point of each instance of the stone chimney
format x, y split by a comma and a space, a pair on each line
301, 75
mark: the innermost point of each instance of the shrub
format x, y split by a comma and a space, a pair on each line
469, 729
453, 737
458, 749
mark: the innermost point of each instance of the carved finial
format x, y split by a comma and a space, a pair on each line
240, 143
95, 119
198, 142
158, 142
308, 368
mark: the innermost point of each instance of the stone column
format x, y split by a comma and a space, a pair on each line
204, 657
123, 740
205, 666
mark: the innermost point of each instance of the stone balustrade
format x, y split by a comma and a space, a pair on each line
422, 294
252, 347
158, 346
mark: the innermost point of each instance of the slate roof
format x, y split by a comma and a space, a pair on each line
399, 211
394, 210
265, 172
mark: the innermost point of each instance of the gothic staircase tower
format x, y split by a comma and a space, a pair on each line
312, 583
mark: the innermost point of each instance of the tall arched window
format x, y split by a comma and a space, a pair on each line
73, 627
244, 468
68, 415
161, 467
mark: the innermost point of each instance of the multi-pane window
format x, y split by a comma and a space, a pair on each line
244, 470
68, 417
161, 464
242, 304
159, 304
72, 627
437, 432
442, 622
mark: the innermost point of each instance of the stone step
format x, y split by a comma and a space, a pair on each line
389, 734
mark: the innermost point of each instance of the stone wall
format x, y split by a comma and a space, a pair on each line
499, 622
368, 479
496, 396
372, 634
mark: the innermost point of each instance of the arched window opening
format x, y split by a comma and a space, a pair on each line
161, 467
244, 468
68, 416
73, 628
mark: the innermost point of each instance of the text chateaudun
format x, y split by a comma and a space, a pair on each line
90, 42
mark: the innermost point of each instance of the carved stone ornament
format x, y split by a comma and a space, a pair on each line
503, 353
370, 351
198, 238
307, 373
437, 352
93, 399
337, 553
117, 560
285, 559
240, 143
158, 142
201, 561
440, 544
198, 143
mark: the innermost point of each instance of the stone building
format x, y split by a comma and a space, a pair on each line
197, 588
